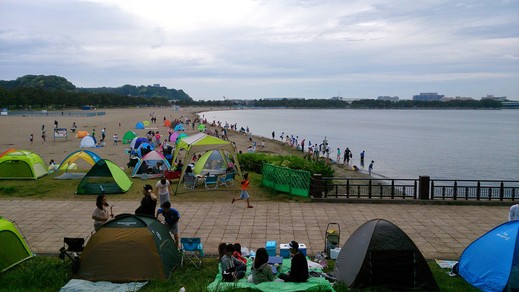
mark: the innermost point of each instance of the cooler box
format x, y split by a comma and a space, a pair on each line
334, 253
284, 250
271, 247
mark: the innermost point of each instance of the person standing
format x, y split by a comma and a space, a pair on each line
115, 139
347, 155
244, 195
298, 267
362, 154
171, 217
370, 167
148, 202
103, 134
101, 214
31, 138
273, 135
338, 154
43, 137
514, 213
163, 188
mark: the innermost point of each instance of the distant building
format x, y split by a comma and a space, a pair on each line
390, 98
457, 98
156, 85
496, 98
428, 96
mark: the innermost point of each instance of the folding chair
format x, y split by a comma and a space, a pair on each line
190, 181
72, 248
228, 179
211, 182
192, 251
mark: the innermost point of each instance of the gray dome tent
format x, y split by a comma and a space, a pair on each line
380, 254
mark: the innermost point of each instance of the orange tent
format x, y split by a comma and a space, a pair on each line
81, 134
167, 123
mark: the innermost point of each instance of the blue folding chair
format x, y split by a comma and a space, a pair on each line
192, 251
211, 182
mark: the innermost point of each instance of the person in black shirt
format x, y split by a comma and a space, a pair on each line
299, 266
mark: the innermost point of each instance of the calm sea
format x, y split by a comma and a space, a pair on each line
443, 144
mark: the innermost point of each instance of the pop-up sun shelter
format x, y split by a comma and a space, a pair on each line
129, 248
14, 249
105, 177
128, 137
491, 262
87, 142
21, 164
76, 164
201, 143
380, 255
148, 165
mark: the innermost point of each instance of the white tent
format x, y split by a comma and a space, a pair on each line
87, 142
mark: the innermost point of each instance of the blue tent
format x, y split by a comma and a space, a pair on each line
179, 127
491, 262
139, 125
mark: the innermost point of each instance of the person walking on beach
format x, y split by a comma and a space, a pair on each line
244, 195
370, 167
43, 137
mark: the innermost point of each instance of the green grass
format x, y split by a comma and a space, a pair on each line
50, 274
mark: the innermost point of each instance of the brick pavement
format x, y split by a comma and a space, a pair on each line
439, 231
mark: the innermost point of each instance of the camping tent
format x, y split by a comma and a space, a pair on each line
201, 143
380, 254
128, 137
201, 127
137, 141
14, 248
213, 162
105, 177
21, 164
149, 162
81, 134
492, 261
139, 125
179, 127
167, 123
129, 248
143, 147
76, 164
87, 142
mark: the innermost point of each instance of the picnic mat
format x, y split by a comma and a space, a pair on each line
313, 283
77, 285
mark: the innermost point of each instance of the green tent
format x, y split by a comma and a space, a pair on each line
129, 248
14, 249
128, 137
21, 164
202, 143
105, 177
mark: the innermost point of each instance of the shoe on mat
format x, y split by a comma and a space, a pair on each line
250, 207
233, 201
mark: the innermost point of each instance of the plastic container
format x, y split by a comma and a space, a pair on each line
334, 253
271, 247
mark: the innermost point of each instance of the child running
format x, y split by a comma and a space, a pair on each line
244, 194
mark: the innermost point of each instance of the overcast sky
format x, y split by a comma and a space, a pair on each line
252, 49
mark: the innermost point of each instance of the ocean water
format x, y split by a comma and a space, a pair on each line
443, 144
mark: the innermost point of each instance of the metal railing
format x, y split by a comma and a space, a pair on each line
422, 188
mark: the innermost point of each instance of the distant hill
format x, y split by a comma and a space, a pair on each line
57, 83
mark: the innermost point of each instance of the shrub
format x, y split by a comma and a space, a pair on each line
254, 162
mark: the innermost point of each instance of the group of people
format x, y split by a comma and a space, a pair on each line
234, 266
168, 215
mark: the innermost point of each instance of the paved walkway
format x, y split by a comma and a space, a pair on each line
439, 231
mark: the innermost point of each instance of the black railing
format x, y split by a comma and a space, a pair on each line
423, 188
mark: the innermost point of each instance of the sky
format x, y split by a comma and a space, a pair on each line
254, 49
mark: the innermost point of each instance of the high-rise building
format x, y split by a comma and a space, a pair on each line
428, 96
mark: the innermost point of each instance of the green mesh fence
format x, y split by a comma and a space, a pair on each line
295, 182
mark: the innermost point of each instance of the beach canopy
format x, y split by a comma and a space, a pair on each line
21, 164
139, 125
76, 164
105, 177
128, 137
81, 134
491, 262
201, 143
14, 248
148, 165
87, 142
380, 255
213, 162
129, 248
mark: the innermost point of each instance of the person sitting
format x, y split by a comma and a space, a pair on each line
237, 253
299, 266
179, 166
261, 270
232, 269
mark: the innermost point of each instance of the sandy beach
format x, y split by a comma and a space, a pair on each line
16, 131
